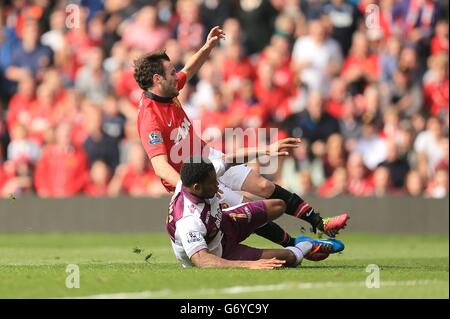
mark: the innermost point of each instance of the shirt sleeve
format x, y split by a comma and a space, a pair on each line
151, 137
191, 232
181, 80
219, 166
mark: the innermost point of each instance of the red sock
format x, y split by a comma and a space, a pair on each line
302, 209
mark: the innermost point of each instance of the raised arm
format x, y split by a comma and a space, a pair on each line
204, 259
196, 61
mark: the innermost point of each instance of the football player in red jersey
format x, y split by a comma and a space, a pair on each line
165, 130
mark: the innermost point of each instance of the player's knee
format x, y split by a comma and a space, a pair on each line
275, 208
266, 187
280, 206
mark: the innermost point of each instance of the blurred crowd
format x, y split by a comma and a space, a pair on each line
365, 86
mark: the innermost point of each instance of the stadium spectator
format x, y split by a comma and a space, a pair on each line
257, 19
334, 156
62, 169
131, 137
91, 79
438, 185
381, 182
427, 145
361, 66
316, 58
389, 59
113, 121
335, 101
55, 37
145, 31
202, 99
245, 110
19, 110
99, 176
371, 146
396, 165
350, 125
358, 181
278, 54
41, 111
236, 67
404, 94
439, 42
414, 184
233, 30
436, 85
343, 17
335, 185
78, 44
29, 57
190, 32
214, 13
21, 148
266, 91
136, 178
18, 179
312, 124
99, 145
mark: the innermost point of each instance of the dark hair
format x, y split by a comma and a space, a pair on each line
195, 170
148, 65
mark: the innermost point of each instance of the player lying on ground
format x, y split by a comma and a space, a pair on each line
204, 235
165, 129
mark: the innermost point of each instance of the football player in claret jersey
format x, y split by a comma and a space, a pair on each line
167, 136
204, 235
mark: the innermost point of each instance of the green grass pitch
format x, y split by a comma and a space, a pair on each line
34, 266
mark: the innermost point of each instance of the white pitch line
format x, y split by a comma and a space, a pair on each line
148, 294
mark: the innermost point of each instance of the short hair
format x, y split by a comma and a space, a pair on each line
148, 65
195, 170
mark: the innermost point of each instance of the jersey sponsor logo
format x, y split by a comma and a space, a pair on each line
216, 213
182, 132
155, 138
194, 237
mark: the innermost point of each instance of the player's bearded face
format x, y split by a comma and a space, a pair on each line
169, 81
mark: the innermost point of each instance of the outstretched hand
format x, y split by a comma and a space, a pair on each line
281, 147
214, 36
266, 263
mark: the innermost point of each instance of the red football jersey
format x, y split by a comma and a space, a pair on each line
164, 128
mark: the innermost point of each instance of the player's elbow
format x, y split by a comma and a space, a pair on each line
159, 172
160, 167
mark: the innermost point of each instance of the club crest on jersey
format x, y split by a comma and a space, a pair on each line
155, 138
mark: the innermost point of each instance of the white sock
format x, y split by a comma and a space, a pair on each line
300, 250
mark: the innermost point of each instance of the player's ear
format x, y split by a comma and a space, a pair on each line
196, 187
156, 78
